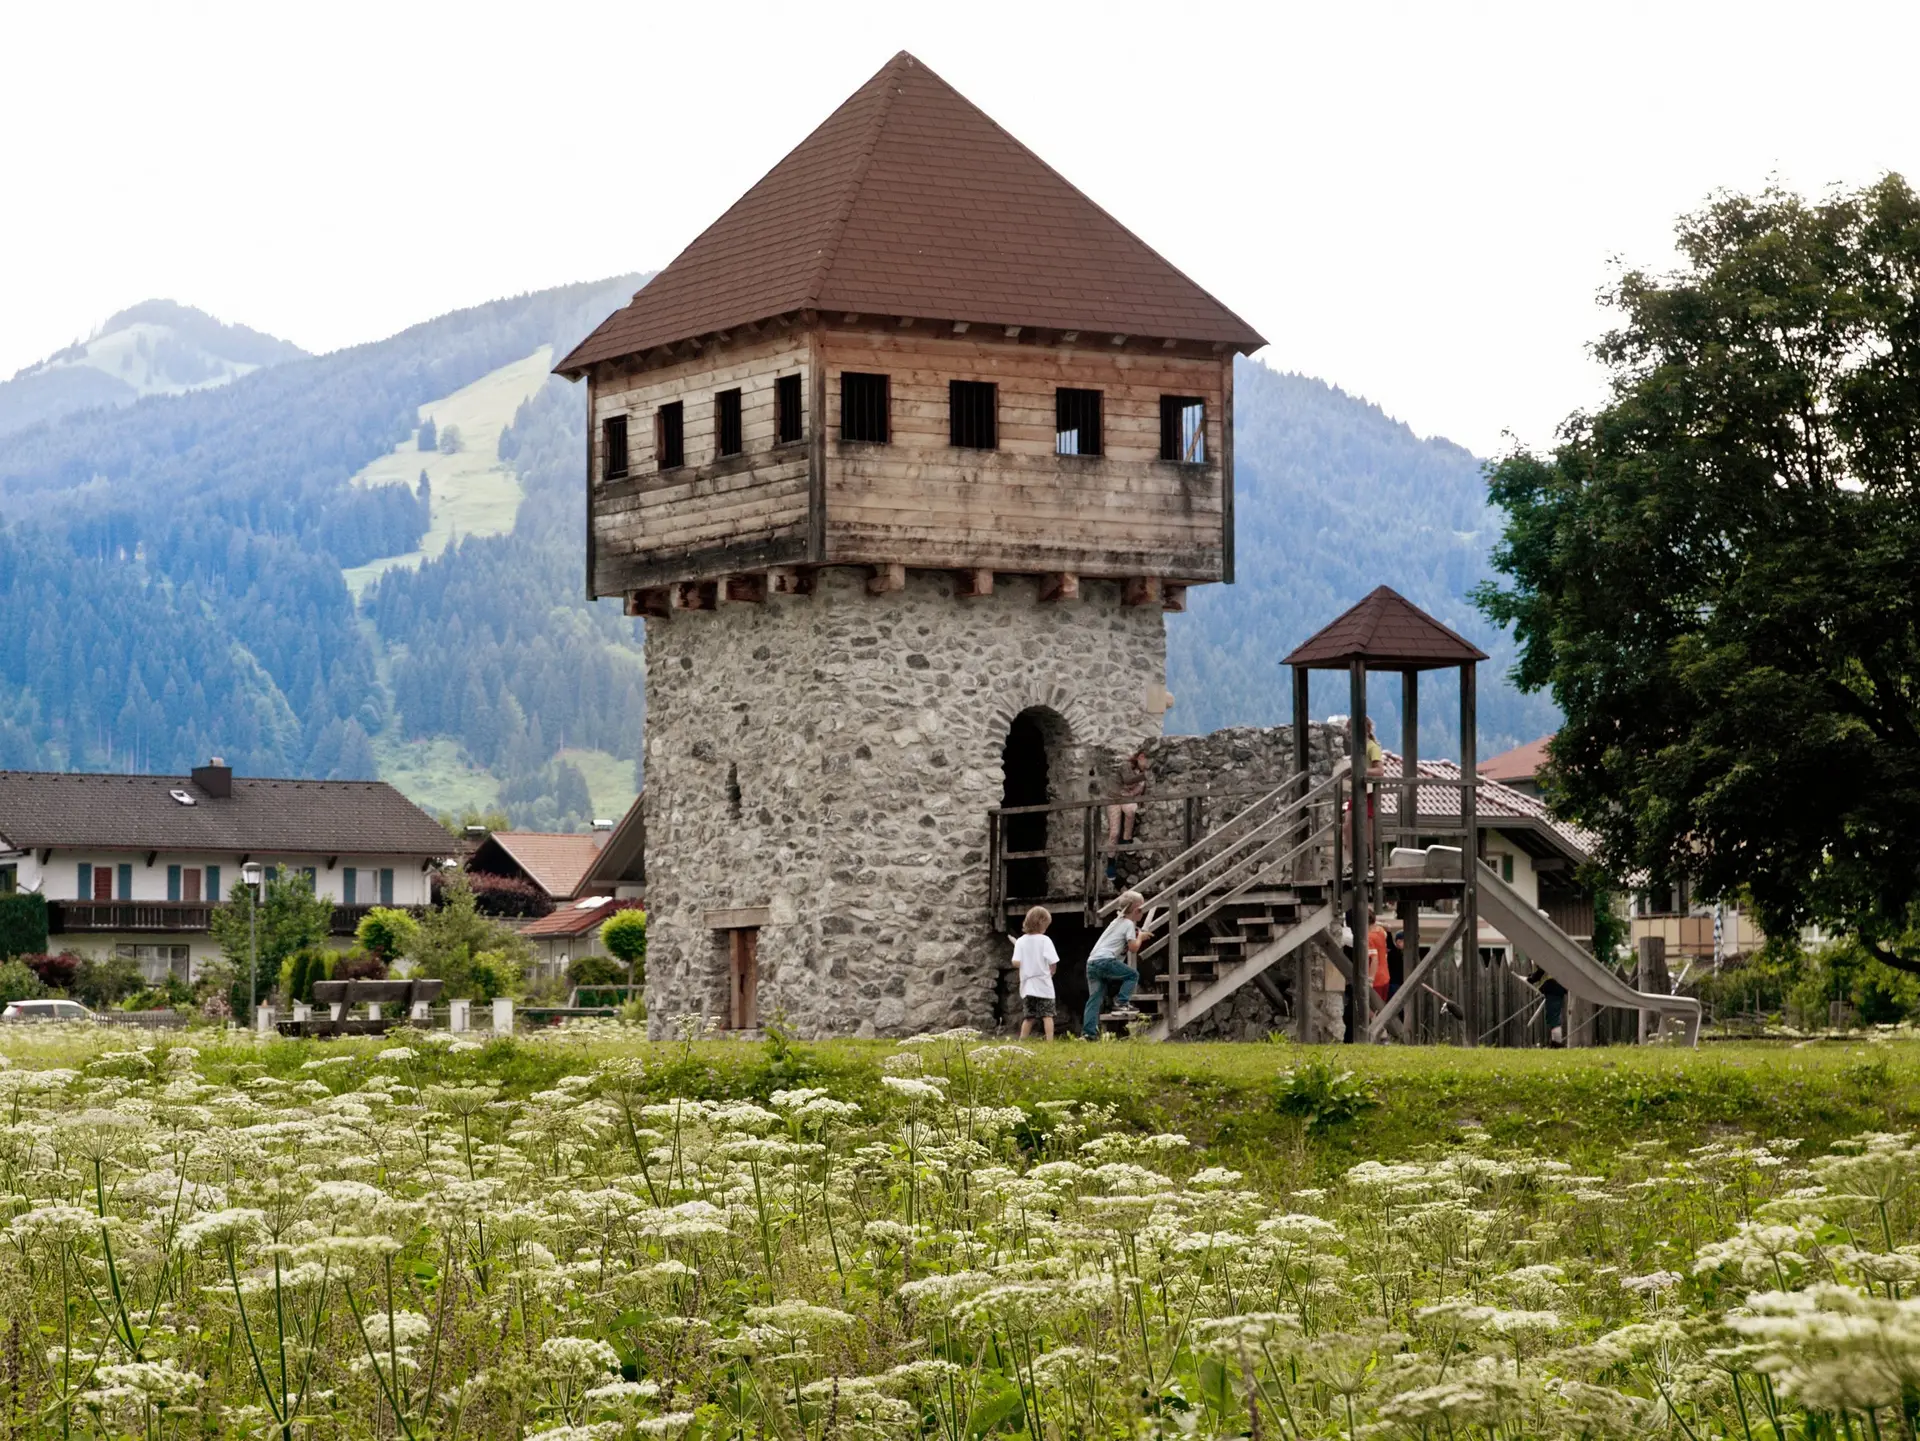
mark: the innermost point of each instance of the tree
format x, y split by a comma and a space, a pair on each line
291, 918
429, 439
477, 958
449, 440
624, 934
387, 934
1715, 572
18, 982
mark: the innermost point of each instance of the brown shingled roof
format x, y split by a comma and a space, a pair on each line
575, 920
262, 816
1388, 631
909, 200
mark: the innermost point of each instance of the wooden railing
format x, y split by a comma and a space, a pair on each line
75, 917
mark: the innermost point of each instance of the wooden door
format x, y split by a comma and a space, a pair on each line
743, 1002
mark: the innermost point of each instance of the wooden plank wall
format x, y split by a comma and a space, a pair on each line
755, 499
1021, 507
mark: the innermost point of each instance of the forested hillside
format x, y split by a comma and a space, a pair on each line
173, 574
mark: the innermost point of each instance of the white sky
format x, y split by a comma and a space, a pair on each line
1417, 203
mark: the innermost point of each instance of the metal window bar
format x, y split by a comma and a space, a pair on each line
786, 408
726, 423
863, 407
1183, 429
614, 436
1076, 425
972, 407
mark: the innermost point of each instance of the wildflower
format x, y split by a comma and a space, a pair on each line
913, 1089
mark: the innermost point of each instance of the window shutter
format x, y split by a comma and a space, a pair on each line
84, 891
349, 886
386, 886
213, 884
173, 883
125, 889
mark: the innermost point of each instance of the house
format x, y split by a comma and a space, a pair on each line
528, 873
135, 864
1519, 768
569, 933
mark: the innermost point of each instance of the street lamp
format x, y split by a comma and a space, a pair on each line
251, 875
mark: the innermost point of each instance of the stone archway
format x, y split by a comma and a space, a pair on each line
1036, 769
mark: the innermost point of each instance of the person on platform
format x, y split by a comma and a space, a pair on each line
1038, 960
1123, 819
1112, 961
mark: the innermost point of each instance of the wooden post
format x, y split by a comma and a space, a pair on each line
1470, 850
1362, 848
1650, 974
1302, 756
1173, 967
1409, 810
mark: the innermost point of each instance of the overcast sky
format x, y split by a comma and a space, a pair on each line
1417, 203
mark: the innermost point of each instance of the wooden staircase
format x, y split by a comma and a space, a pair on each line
1241, 899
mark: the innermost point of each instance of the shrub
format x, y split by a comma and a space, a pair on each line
387, 933
624, 934
104, 983
314, 963
492, 974
358, 966
1322, 1096
514, 896
596, 971
19, 983
56, 972
23, 924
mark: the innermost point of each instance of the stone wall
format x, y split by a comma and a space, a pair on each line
832, 757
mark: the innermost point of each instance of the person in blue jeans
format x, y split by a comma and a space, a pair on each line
1110, 962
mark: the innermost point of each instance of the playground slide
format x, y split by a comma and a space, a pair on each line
1562, 957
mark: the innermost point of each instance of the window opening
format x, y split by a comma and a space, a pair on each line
669, 436
9, 880
1506, 867
726, 423
1183, 429
733, 789
614, 431
1076, 423
786, 408
863, 407
972, 408
743, 978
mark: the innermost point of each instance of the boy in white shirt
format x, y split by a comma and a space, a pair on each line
1038, 960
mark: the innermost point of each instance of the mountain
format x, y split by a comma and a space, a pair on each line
158, 347
370, 562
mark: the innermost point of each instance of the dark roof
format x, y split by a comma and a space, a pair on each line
268, 817
555, 861
1522, 763
1388, 632
909, 200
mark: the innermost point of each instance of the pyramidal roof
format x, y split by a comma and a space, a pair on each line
1386, 630
909, 200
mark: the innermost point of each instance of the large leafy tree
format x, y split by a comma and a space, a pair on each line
1717, 573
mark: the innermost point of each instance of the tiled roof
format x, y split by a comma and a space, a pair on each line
574, 920
1521, 763
1386, 630
555, 861
1494, 803
909, 200
267, 817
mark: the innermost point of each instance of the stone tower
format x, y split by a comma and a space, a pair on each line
903, 459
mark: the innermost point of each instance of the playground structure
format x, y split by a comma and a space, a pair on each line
1269, 887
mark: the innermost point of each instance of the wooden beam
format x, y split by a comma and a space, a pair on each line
747, 589
655, 602
696, 595
969, 583
1173, 597
1142, 590
790, 580
1060, 585
887, 579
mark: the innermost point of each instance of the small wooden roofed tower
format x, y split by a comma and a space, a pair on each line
1387, 632
911, 344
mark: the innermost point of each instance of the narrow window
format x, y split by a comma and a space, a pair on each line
1183, 429
386, 876
1076, 422
349, 887
786, 408
971, 412
1506, 868
863, 407
190, 884
726, 423
613, 431
669, 436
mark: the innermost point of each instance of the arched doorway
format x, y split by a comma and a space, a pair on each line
1031, 765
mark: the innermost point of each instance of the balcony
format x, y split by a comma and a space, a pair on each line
164, 917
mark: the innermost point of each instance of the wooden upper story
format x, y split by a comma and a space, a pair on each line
910, 345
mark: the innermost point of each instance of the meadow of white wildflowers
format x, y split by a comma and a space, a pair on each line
389, 1244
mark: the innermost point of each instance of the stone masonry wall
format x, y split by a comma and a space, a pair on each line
833, 757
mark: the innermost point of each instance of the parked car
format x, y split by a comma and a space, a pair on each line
46, 1011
